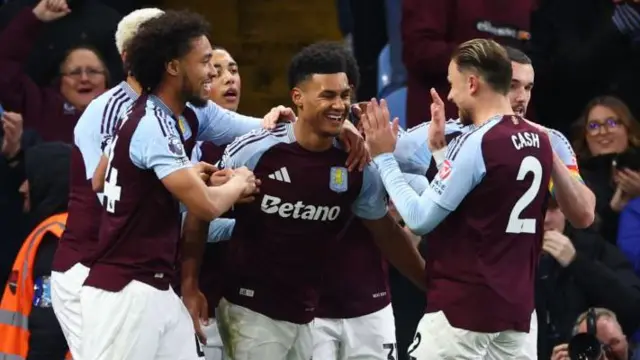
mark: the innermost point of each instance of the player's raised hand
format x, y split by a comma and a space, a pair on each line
380, 134
354, 144
436, 139
50, 10
276, 115
196, 303
12, 127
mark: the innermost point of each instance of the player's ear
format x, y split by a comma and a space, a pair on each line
473, 81
173, 67
297, 97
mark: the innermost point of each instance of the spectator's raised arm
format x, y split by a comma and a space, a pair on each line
18, 92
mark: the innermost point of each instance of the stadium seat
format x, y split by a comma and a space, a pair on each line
384, 68
397, 101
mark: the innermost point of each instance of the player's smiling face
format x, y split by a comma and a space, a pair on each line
325, 102
198, 72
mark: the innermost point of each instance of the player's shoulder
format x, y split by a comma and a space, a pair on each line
259, 140
558, 139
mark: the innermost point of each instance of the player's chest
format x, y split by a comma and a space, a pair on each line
306, 188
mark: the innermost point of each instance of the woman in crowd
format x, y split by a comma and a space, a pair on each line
606, 133
82, 76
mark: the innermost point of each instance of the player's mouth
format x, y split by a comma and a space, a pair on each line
519, 110
231, 95
207, 86
335, 117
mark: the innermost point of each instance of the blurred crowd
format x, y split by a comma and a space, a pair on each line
585, 55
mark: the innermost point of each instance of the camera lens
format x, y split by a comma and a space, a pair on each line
584, 347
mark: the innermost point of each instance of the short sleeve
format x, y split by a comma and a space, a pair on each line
370, 204
462, 170
222, 126
88, 142
156, 145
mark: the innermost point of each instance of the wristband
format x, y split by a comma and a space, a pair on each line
439, 156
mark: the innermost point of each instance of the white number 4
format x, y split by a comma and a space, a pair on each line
112, 190
516, 224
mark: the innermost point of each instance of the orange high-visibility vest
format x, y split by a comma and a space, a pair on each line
17, 299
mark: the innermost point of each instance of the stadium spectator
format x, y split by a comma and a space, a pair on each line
28, 294
14, 141
605, 129
432, 29
580, 270
51, 111
91, 22
608, 332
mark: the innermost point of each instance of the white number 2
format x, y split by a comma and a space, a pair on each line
516, 224
112, 190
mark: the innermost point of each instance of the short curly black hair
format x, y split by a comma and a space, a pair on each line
160, 40
318, 58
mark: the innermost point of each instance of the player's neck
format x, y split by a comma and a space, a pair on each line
491, 106
309, 139
171, 99
135, 85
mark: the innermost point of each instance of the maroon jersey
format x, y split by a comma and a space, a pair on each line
355, 281
140, 228
81, 234
211, 269
482, 258
281, 242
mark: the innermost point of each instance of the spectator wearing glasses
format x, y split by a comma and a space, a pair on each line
605, 130
51, 111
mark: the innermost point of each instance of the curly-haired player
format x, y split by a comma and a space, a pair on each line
129, 311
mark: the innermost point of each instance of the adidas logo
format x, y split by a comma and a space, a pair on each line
281, 175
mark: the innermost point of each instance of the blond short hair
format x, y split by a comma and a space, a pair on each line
128, 26
488, 59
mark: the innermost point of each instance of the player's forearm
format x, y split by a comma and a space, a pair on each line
395, 244
576, 201
419, 212
194, 235
223, 197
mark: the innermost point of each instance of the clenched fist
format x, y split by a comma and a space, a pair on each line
50, 10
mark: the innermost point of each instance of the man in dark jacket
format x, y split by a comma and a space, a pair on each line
45, 193
579, 270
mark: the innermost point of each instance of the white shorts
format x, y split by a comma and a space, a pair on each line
437, 339
249, 335
65, 299
530, 346
371, 336
213, 349
139, 322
